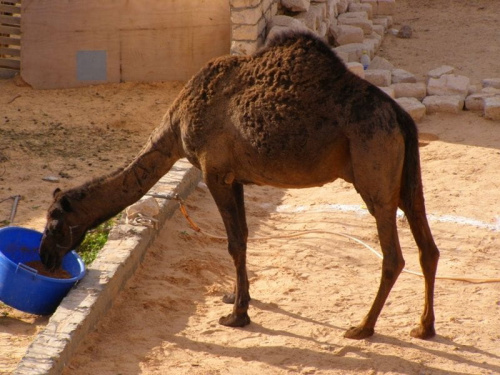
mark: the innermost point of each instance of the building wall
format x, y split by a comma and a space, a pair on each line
80, 42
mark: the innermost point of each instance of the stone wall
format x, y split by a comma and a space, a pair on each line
354, 28
249, 22
350, 26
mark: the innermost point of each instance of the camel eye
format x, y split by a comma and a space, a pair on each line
56, 214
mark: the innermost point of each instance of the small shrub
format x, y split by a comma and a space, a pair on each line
94, 242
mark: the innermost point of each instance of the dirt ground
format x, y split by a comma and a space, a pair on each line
306, 291
72, 135
463, 34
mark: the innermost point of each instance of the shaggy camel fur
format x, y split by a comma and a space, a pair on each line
290, 116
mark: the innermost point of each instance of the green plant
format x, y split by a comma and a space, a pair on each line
94, 242
4, 310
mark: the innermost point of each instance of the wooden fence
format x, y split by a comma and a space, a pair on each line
10, 37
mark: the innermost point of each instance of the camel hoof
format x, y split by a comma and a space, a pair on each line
423, 333
229, 298
358, 333
233, 320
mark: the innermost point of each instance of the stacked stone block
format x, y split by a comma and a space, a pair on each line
249, 20
352, 27
447, 92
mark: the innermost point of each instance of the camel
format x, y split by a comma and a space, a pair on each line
290, 116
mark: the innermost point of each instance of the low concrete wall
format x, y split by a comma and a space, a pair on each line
81, 309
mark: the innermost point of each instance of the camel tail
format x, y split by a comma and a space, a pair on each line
411, 182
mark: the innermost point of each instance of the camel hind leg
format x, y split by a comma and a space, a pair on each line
429, 256
392, 265
229, 201
376, 177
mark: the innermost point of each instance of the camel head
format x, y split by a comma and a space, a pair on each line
63, 232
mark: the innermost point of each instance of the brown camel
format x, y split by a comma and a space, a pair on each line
290, 116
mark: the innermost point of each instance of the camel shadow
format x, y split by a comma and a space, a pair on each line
343, 359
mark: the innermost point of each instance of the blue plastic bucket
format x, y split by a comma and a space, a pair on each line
21, 286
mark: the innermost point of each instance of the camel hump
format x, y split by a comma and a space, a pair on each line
302, 42
290, 37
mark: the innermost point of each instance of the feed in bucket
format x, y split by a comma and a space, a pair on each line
22, 284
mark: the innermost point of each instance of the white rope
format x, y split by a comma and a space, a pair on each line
196, 228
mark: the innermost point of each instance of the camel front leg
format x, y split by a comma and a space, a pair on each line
229, 201
237, 188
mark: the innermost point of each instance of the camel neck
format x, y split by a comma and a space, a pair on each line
107, 196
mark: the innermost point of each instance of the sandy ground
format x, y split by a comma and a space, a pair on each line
306, 291
464, 34
72, 135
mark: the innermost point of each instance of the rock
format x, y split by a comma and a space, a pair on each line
491, 90
388, 90
323, 31
362, 7
414, 108
438, 72
243, 47
354, 50
296, 5
473, 89
351, 15
310, 20
356, 68
492, 108
345, 34
51, 179
372, 44
374, 39
443, 103
384, 21
410, 90
319, 9
402, 76
331, 10
342, 56
359, 19
342, 6
378, 77
380, 63
449, 84
405, 32
373, 3
286, 21
475, 102
379, 29
491, 82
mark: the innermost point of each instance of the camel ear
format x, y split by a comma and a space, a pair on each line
55, 192
66, 205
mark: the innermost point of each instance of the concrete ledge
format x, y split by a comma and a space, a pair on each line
82, 308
